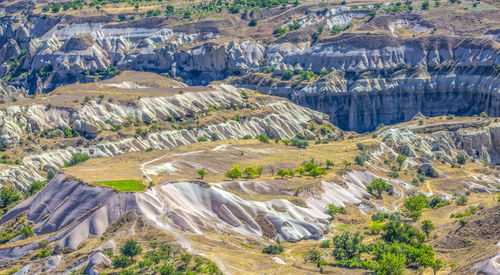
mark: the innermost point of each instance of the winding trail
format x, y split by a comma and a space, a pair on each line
396, 207
144, 164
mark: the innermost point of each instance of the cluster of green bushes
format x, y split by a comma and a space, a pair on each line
398, 7
18, 228
338, 29
300, 141
309, 168
250, 172
377, 186
76, 158
162, 258
65, 132
56, 7
103, 74
238, 6
5, 159
274, 249
10, 195
400, 246
334, 210
469, 212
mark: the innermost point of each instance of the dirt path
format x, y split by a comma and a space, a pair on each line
144, 164
396, 207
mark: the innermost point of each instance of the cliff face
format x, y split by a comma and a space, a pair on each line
373, 78
371, 86
365, 111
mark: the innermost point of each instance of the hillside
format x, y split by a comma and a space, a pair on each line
249, 137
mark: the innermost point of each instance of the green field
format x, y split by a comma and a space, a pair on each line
123, 185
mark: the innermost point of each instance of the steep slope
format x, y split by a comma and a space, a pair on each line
382, 68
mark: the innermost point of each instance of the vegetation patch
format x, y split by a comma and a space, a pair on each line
123, 185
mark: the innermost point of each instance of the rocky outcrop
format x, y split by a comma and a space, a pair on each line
478, 140
376, 78
8, 92
280, 119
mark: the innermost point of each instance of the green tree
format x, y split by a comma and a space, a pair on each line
274, 249
76, 158
43, 253
437, 265
50, 174
397, 232
35, 187
300, 170
263, 138
287, 75
131, 248
425, 5
283, 173
461, 158
427, 227
414, 206
333, 210
346, 164
121, 261
313, 255
361, 159
258, 169
348, 246
234, 173
202, 172
376, 187
250, 172
391, 264
329, 164
376, 226
401, 160
462, 199
8, 196
361, 146
27, 231
317, 172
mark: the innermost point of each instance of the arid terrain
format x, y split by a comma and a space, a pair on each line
249, 137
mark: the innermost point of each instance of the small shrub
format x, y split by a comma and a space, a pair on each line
43, 253
263, 138
130, 248
202, 173
274, 249
462, 200
280, 31
361, 146
325, 244
461, 159
253, 23
415, 182
287, 75
234, 173
214, 136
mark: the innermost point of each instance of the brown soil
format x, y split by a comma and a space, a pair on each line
484, 225
268, 229
78, 43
